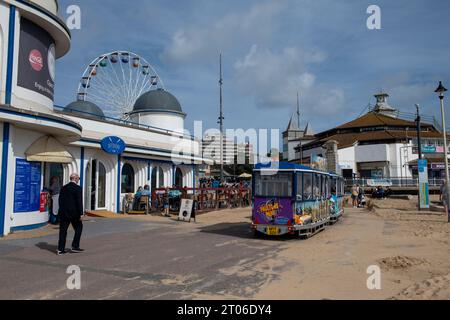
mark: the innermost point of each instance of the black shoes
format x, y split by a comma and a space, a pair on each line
77, 250
60, 253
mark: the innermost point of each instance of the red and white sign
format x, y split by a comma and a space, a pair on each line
36, 60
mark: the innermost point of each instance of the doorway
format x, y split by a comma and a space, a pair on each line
95, 189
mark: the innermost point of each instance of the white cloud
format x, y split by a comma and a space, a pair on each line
195, 42
274, 78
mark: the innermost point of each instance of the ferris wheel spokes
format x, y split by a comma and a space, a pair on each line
116, 80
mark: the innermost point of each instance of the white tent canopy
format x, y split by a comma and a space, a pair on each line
48, 149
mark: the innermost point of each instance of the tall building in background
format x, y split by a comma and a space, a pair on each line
211, 147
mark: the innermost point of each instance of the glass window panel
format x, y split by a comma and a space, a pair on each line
307, 186
316, 186
274, 185
299, 186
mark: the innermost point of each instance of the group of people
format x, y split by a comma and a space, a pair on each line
206, 183
358, 196
381, 193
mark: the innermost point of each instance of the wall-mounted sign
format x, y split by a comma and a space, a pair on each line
36, 70
429, 149
27, 188
113, 145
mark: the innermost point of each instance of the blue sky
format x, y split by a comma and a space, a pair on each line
271, 50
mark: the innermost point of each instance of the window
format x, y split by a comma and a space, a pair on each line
157, 178
325, 186
307, 186
127, 179
316, 186
274, 185
299, 186
333, 186
101, 193
179, 178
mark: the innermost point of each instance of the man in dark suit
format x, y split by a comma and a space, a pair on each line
71, 212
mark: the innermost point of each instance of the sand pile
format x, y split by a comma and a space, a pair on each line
401, 262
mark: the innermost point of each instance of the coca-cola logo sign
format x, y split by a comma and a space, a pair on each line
36, 63
36, 60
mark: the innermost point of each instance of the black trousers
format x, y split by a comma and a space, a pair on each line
64, 224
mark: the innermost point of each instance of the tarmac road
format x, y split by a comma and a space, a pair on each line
218, 257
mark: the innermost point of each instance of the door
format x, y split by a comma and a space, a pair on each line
88, 187
93, 178
101, 186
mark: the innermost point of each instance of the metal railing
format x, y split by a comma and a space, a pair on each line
393, 182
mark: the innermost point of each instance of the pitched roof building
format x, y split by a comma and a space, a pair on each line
380, 144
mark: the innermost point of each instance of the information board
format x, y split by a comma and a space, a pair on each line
27, 188
186, 210
424, 198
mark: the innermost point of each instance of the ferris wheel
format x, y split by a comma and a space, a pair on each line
114, 81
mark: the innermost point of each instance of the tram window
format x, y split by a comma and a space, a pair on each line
276, 185
333, 185
307, 186
299, 186
316, 186
326, 185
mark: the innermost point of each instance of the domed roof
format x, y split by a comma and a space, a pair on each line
157, 101
85, 108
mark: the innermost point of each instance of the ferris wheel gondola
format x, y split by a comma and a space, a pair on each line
114, 81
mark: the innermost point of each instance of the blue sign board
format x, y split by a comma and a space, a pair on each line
113, 145
424, 192
27, 188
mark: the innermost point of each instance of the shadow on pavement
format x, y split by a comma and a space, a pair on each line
48, 247
241, 230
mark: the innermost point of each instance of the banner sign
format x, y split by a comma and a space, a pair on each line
27, 189
424, 197
36, 70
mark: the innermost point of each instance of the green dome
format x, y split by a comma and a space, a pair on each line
157, 101
84, 108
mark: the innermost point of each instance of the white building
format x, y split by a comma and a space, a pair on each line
380, 144
39, 141
211, 148
293, 137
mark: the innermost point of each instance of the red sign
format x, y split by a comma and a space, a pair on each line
43, 202
36, 60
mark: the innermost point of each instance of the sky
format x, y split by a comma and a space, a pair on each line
271, 50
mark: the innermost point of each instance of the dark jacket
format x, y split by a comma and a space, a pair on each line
71, 201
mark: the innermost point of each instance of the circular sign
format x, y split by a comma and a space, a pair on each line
51, 61
113, 145
36, 60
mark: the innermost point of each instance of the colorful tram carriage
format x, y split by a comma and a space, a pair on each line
294, 199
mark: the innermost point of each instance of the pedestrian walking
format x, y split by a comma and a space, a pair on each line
361, 197
55, 189
71, 212
444, 195
355, 193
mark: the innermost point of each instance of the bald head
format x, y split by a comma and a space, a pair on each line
74, 177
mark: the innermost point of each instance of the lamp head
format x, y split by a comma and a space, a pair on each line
441, 89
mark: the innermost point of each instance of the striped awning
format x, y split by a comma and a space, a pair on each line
48, 149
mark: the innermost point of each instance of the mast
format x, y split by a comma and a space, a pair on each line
221, 118
298, 111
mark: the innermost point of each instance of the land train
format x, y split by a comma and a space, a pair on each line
295, 199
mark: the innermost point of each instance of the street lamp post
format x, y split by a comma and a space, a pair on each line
419, 143
440, 90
